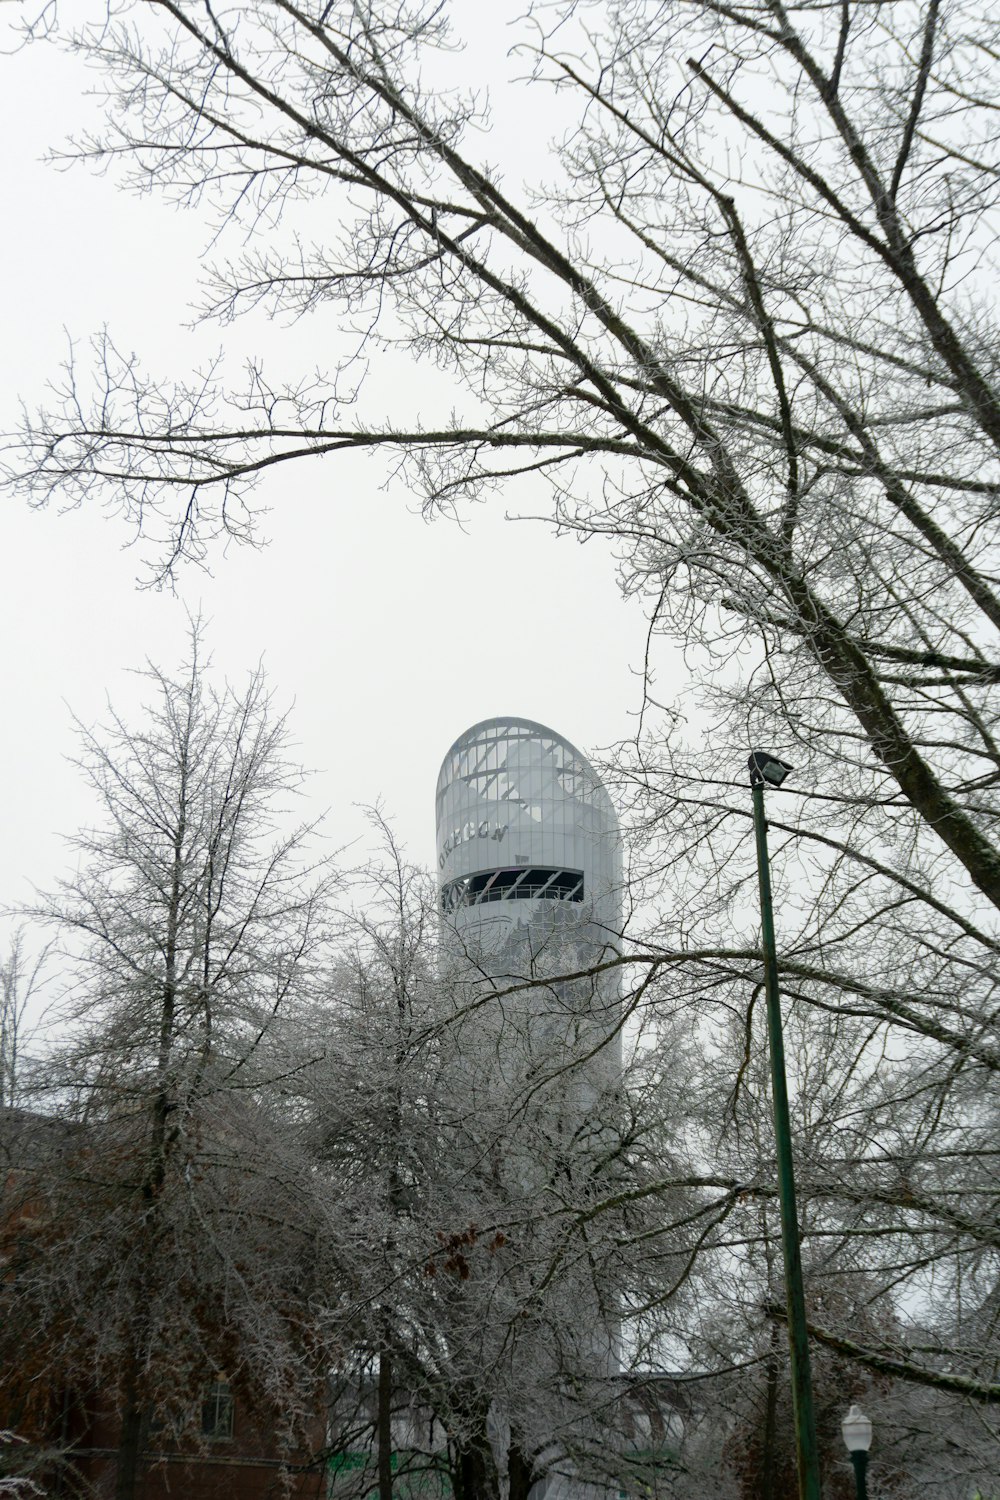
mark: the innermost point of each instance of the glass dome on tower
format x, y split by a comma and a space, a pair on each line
523, 821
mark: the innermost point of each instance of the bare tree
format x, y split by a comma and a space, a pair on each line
484, 1227
20, 981
159, 1222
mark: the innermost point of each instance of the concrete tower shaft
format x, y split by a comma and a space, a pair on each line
529, 875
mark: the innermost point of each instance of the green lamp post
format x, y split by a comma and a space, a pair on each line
857, 1430
767, 770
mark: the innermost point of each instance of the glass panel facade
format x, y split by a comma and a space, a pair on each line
514, 796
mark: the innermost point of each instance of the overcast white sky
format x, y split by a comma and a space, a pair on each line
390, 635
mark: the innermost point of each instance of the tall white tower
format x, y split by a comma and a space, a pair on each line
529, 877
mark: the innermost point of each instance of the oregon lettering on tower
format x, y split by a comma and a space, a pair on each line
462, 835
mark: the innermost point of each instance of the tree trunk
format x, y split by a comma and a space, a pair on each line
130, 1437
767, 1468
478, 1474
478, 1477
518, 1472
383, 1421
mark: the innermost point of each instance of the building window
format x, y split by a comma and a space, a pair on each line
217, 1411
512, 885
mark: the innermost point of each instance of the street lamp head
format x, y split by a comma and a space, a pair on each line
857, 1430
766, 769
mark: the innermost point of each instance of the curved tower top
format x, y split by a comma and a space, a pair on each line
522, 817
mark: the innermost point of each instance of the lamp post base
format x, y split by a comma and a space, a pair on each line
859, 1459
